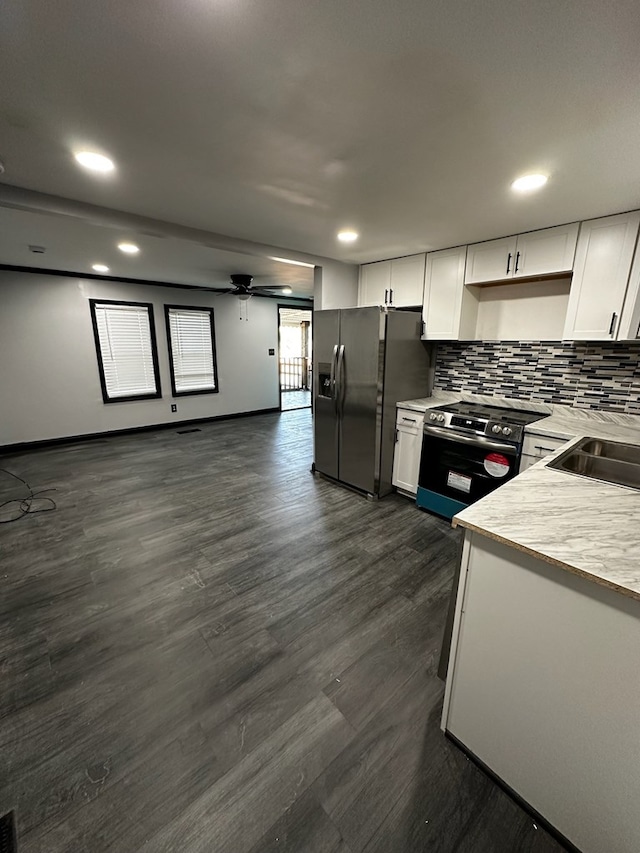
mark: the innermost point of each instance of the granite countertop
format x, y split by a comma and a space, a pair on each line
585, 526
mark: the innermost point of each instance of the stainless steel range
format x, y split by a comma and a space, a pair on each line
468, 450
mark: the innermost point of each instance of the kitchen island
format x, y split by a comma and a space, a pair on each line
543, 685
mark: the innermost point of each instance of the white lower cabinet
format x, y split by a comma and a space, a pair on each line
537, 447
543, 689
406, 457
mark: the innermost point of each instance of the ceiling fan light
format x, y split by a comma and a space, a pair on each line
244, 296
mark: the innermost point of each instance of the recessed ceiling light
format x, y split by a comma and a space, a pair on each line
295, 263
529, 182
286, 291
100, 267
347, 236
129, 248
94, 161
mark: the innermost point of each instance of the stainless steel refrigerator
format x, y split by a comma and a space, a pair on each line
365, 360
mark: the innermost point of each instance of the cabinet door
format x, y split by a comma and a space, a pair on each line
375, 284
547, 251
630, 322
527, 462
601, 272
443, 294
490, 261
406, 458
407, 281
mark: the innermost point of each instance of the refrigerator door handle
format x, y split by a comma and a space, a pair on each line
332, 378
340, 378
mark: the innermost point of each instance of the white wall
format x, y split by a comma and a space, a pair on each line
522, 311
335, 285
49, 380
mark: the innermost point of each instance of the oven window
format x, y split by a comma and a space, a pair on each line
464, 472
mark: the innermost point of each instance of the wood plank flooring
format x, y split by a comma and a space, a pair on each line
206, 648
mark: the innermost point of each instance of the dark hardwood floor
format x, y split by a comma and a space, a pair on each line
206, 648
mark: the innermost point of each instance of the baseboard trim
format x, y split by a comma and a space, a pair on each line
44, 443
524, 805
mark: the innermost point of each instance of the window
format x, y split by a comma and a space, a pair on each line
126, 347
192, 353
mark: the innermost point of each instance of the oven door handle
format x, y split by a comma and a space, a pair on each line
473, 440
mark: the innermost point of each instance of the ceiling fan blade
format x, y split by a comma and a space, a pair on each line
256, 287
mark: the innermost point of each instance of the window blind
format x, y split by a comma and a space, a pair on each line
124, 333
192, 356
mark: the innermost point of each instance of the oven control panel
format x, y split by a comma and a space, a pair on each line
509, 431
467, 423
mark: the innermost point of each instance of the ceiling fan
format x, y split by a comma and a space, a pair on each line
242, 287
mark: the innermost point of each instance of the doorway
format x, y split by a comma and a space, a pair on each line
295, 358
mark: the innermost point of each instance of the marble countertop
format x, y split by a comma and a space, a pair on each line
585, 526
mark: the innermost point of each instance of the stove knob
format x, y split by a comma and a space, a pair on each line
433, 416
440, 417
506, 430
496, 428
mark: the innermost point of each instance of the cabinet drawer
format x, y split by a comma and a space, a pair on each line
409, 419
540, 446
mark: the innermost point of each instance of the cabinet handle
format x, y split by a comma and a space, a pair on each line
391, 297
613, 323
548, 449
517, 261
396, 436
385, 296
410, 420
508, 262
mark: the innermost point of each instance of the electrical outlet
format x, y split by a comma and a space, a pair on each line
272, 351
174, 407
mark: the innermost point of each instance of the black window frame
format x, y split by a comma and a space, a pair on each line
202, 309
154, 351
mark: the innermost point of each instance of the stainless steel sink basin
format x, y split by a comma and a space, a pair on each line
609, 461
611, 450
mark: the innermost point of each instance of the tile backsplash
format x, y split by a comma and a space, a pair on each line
583, 375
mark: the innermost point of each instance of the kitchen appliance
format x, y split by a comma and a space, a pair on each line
468, 450
365, 360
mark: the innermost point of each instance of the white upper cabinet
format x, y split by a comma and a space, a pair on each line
375, 284
398, 283
444, 295
407, 281
600, 278
544, 252
629, 329
490, 261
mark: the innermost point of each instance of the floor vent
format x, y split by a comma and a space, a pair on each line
194, 429
8, 840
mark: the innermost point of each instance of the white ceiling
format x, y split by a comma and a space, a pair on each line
283, 121
75, 245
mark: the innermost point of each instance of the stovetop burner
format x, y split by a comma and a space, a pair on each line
492, 413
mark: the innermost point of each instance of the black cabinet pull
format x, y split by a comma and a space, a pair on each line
385, 296
517, 261
391, 297
508, 262
613, 323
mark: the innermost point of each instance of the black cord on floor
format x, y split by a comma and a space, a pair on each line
25, 505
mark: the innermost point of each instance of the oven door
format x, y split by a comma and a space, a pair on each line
458, 469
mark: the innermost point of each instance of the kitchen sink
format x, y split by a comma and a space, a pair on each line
611, 450
609, 461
